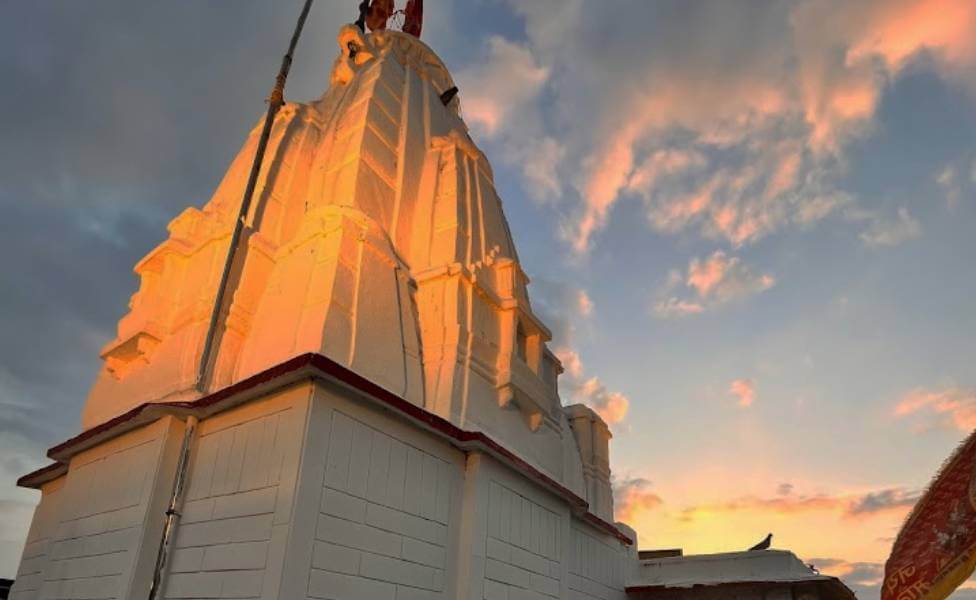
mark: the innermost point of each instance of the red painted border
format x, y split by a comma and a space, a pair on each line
318, 363
35, 479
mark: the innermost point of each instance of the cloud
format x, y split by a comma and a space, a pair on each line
673, 307
784, 489
947, 179
590, 390
951, 408
859, 573
956, 179
611, 406
499, 94
710, 282
633, 496
848, 505
883, 500
744, 390
565, 308
584, 305
500, 84
635, 117
891, 232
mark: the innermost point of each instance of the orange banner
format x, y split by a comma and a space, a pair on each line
936, 548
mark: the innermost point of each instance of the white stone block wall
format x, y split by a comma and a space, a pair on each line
312, 492
238, 503
522, 547
598, 566
30, 574
527, 543
382, 530
87, 537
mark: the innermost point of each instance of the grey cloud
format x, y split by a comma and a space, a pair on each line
883, 500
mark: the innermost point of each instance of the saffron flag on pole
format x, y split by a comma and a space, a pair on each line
935, 550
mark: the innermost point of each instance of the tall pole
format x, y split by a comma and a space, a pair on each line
275, 102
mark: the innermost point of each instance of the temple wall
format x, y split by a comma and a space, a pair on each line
380, 502
312, 491
231, 538
520, 541
37, 549
523, 546
92, 533
598, 569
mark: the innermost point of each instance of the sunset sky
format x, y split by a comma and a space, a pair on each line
750, 226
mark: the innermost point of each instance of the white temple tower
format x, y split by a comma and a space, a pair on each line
382, 419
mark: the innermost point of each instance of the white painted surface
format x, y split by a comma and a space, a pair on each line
382, 529
598, 567
727, 567
30, 574
238, 504
90, 533
376, 238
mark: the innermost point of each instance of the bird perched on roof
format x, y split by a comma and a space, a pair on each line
763, 545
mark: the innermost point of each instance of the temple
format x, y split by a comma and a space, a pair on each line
381, 416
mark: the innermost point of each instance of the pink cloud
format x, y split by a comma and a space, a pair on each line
565, 307
584, 305
572, 365
953, 407
712, 281
744, 391
633, 496
608, 174
805, 84
611, 406
504, 82
705, 275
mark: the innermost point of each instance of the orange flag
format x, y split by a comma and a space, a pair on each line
935, 550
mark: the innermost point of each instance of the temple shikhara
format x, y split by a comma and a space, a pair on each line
376, 414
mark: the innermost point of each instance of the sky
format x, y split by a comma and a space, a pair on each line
749, 226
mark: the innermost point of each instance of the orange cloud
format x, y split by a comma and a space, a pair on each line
631, 497
744, 390
900, 29
804, 86
852, 506
608, 174
611, 406
952, 407
713, 281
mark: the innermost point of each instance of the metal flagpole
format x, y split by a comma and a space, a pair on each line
275, 102
174, 506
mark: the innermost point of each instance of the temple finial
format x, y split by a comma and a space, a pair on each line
375, 14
